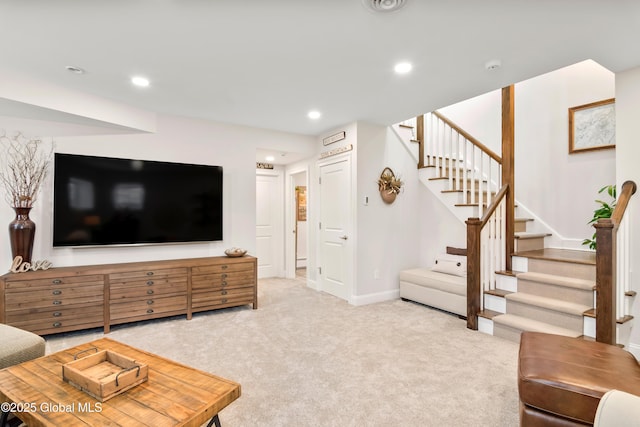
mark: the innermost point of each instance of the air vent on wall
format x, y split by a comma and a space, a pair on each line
383, 5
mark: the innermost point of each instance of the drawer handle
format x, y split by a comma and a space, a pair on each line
57, 314
224, 300
56, 281
224, 283
150, 292
224, 276
224, 292
149, 301
149, 282
56, 324
57, 292
150, 311
57, 302
224, 267
149, 273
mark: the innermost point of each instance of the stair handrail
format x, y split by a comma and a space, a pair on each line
474, 274
606, 266
494, 204
469, 137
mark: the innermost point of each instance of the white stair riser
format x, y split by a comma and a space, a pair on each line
623, 332
495, 303
507, 283
519, 263
485, 325
589, 327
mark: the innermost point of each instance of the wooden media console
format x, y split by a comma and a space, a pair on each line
73, 298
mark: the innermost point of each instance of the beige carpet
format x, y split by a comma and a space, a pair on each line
305, 358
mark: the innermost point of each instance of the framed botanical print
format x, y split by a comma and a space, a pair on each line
592, 126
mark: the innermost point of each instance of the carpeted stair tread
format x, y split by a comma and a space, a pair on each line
569, 282
548, 303
526, 324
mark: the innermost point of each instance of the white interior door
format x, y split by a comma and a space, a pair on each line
269, 225
336, 248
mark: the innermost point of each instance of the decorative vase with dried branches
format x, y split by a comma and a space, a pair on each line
23, 168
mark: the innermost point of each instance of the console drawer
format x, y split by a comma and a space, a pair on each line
148, 288
148, 308
61, 282
17, 301
151, 273
210, 281
57, 318
224, 268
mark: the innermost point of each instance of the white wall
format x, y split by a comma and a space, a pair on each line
481, 117
627, 155
439, 228
388, 235
557, 187
180, 140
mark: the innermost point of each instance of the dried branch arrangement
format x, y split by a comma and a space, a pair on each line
388, 182
23, 168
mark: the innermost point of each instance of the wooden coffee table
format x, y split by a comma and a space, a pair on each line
174, 395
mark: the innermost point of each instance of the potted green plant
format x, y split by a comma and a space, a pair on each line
604, 210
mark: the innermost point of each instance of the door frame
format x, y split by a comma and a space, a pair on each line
290, 220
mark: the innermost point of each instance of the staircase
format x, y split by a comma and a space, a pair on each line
543, 289
552, 291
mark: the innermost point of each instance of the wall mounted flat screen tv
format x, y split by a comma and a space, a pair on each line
108, 201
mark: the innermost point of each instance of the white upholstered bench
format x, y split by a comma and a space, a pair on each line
444, 286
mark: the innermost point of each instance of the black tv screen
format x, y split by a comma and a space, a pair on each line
109, 201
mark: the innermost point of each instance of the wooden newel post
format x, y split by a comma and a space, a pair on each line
474, 226
421, 142
605, 281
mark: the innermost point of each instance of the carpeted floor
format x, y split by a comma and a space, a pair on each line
305, 358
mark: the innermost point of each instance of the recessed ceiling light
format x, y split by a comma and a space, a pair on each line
403, 67
270, 158
314, 114
140, 81
383, 5
74, 69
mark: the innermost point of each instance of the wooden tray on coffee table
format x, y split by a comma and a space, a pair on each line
104, 374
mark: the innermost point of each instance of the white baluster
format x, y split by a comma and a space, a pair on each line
450, 158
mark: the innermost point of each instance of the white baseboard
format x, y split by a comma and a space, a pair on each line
313, 284
635, 350
374, 298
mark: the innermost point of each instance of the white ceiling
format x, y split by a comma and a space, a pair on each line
266, 63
